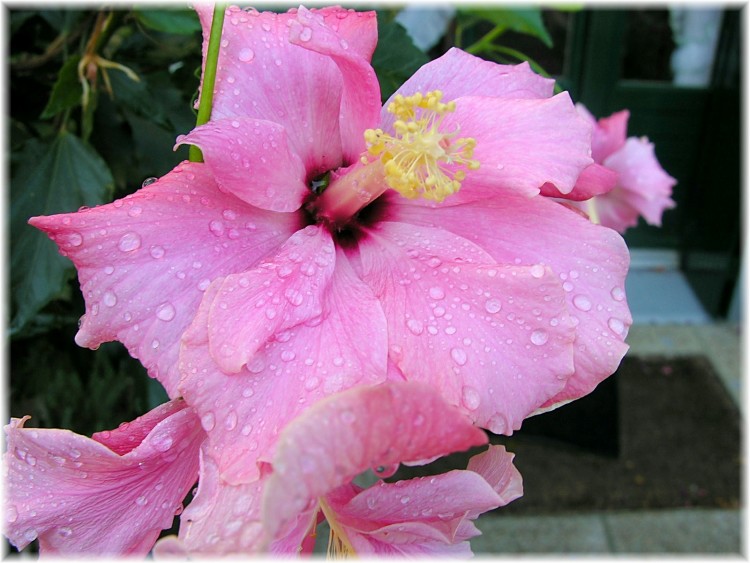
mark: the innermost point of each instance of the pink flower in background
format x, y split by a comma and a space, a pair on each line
111, 494
317, 457
643, 188
503, 301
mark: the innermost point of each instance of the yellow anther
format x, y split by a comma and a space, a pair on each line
420, 160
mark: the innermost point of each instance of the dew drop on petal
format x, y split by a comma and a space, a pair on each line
415, 326
166, 312
437, 292
493, 305
141, 501
135, 211
157, 252
148, 181
537, 271
208, 421
11, 513
618, 294
129, 242
109, 299
216, 227
616, 326
230, 422
306, 34
539, 337
246, 55
459, 356
582, 302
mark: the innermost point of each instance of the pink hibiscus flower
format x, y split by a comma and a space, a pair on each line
111, 494
642, 189
310, 477
504, 301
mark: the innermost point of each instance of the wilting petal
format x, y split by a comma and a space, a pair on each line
250, 158
283, 291
646, 185
590, 261
496, 340
458, 74
262, 75
144, 261
78, 496
339, 437
360, 96
293, 369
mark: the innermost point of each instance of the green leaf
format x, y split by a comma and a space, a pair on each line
67, 91
51, 178
138, 97
183, 22
396, 57
523, 20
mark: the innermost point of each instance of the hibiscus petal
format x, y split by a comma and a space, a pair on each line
250, 158
594, 180
244, 412
365, 427
77, 496
360, 101
590, 260
495, 465
641, 174
262, 75
521, 144
494, 340
457, 74
609, 132
144, 261
280, 293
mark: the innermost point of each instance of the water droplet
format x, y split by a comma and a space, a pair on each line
539, 337
616, 326
135, 211
294, 297
582, 302
287, 355
537, 271
166, 312
216, 227
338, 361
30, 534
459, 356
230, 423
11, 513
306, 34
141, 501
618, 294
493, 305
148, 181
415, 326
470, 397
405, 499
208, 421
157, 251
129, 242
437, 293
163, 443
270, 313
311, 383
246, 55
74, 239
229, 215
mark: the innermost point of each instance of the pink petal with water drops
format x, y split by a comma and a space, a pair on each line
645, 185
281, 292
294, 368
427, 515
250, 158
589, 260
144, 261
457, 74
521, 144
262, 75
343, 435
496, 340
609, 132
77, 496
360, 96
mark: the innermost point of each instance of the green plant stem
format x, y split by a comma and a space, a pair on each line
209, 76
485, 41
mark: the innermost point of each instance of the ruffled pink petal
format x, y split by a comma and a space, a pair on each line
339, 437
291, 370
496, 340
594, 180
495, 465
590, 261
280, 293
262, 75
609, 133
458, 74
79, 497
144, 261
360, 97
250, 158
641, 175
